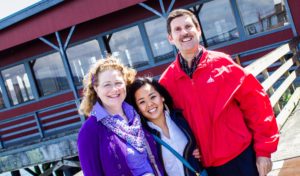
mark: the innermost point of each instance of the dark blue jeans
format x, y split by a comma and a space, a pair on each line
242, 165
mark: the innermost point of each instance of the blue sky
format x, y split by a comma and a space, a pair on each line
8, 7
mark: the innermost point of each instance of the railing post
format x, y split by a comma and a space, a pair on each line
82, 118
287, 73
39, 125
271, 91
238, 60
294, 45
1, 143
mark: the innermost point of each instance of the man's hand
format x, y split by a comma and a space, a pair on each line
264, 165
196, 154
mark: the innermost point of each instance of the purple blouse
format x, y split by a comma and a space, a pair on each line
102, 152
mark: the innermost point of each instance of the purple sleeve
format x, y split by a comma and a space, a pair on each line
88, 151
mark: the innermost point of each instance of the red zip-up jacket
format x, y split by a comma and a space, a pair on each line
226, 108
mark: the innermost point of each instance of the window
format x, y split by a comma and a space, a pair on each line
157, 34
128, 46
1, 100
17, 84
49, 74
263, 16
81, 57
218, 25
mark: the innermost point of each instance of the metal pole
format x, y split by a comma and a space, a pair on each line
1, 143
39, 125
151, 9
67, 67
4, 92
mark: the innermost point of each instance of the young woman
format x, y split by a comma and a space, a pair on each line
112, 141
154, 104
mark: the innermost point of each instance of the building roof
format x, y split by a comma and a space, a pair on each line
61, 16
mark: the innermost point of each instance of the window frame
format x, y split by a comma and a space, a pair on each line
153, 58
240, 27
145, 40
35, 81
79, 43
152, 63
235, 6
4, 88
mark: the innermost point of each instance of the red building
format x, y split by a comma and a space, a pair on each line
46, 49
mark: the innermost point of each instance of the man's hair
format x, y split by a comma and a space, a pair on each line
178, 13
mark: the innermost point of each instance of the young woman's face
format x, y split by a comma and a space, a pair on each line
111, 88
150, 103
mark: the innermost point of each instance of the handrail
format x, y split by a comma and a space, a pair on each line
279, 71
39, 126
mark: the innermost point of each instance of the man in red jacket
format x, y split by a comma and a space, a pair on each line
226, 107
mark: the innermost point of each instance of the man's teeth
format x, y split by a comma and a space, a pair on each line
186, 39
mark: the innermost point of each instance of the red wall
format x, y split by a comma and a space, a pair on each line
257, 42
37, 105
57, 18
295, 11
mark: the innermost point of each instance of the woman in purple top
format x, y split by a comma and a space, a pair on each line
112, 142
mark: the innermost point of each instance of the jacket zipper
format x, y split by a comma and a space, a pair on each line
187, 149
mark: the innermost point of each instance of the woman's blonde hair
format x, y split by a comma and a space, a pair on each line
91, 79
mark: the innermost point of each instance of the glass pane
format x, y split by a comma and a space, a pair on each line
157, 34
50, 74
17, 85
218, 25
1, 100
262, 16
81, 57
129, 47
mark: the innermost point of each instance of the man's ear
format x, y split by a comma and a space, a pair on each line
170, 38
199, 30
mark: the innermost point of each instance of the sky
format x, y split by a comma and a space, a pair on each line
8, 7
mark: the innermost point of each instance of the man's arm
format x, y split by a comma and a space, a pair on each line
256, 107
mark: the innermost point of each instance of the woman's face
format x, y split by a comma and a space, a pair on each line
111, 88
150, 103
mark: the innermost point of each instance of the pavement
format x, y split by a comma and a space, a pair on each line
286, 160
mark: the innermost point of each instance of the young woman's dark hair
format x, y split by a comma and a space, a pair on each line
140, 82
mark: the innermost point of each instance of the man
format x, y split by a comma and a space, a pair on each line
228, 110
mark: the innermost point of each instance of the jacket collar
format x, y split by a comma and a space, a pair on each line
179, 73
100, 112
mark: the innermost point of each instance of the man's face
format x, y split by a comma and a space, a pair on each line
184, 34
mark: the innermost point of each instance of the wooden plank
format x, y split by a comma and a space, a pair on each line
264, 62
289, 167
282, 88
288, 108
277, 74
289, 141
79, 174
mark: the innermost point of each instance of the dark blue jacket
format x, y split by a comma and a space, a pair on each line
179, 120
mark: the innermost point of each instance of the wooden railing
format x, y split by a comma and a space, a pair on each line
39, 125
277, 72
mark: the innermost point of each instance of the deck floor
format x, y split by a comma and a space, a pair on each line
286, 160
